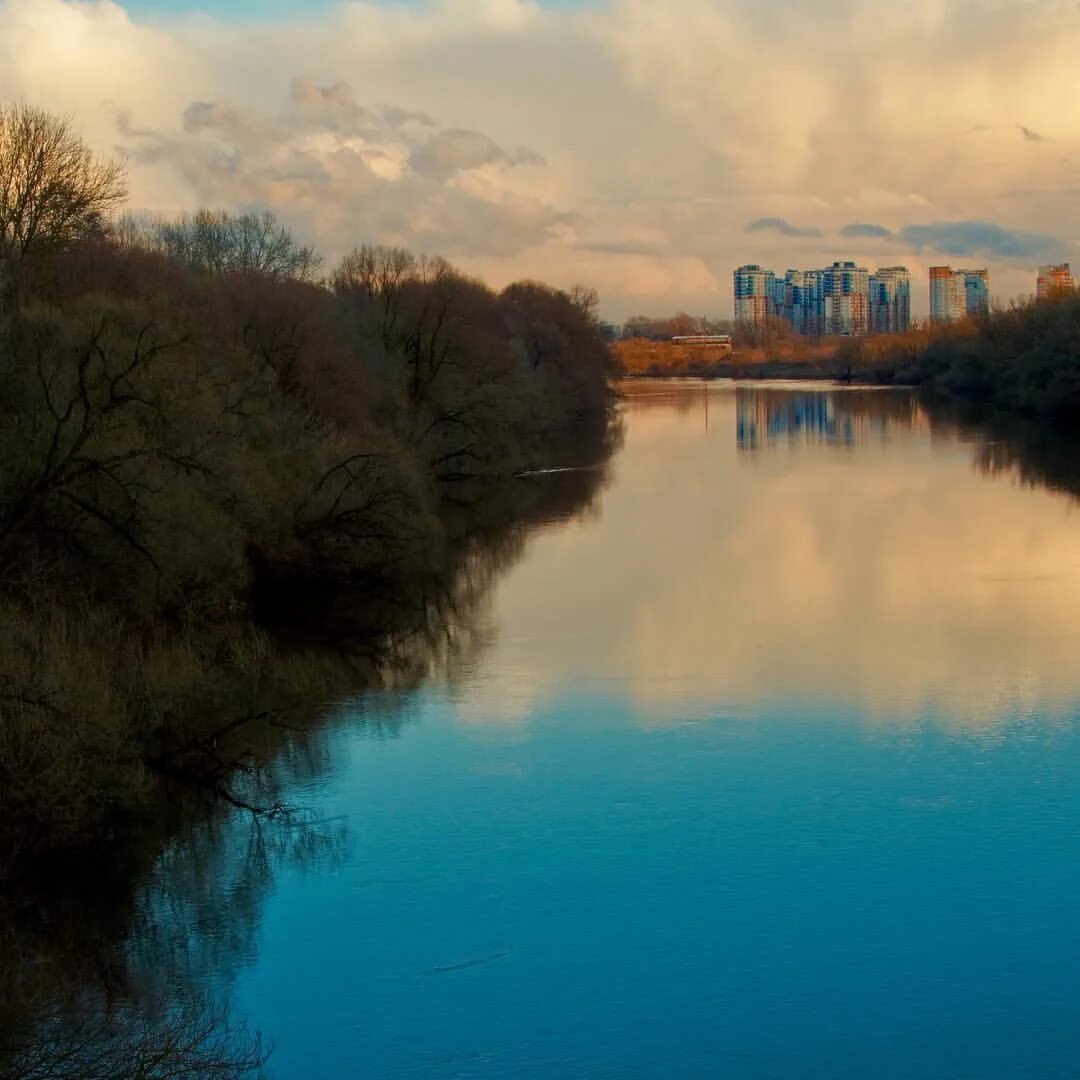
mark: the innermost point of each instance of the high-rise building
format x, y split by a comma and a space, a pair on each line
890, 300
958, 294
842, 299
804, 301
976, 292
847, 299
1053, 279
948, 296
777, 296
755, 294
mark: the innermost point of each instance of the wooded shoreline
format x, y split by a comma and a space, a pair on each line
230, 479
1021, 360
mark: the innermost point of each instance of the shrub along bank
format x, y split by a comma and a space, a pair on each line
198, 446
1024, 359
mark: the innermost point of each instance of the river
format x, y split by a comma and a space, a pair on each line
761, 761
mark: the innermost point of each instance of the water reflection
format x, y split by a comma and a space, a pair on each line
645, 820
889, 574
129, 973
858, 557
106, 976
1036, 455
765, 416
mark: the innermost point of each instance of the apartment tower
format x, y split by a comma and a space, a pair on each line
1053, 279
958, 294
755, 291
844, 299
847, 299
976, 291
890, 300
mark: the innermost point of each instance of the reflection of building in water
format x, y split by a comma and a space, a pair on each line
842, 418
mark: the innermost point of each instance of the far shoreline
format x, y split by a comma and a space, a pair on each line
779, 371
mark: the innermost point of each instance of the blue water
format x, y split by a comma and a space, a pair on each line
769, 766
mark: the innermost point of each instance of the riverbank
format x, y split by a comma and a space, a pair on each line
210, 473
76, 998
1023, 360
881, 360
461, 820
887, 361
235, 489
778, 370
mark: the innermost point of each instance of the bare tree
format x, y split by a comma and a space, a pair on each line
52, 188
376, 277
217, 242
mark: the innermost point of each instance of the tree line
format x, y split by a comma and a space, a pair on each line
207, 434
1022, 359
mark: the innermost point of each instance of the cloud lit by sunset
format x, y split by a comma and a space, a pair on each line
645, 149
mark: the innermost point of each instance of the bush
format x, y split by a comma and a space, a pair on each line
193, 447
1023, 359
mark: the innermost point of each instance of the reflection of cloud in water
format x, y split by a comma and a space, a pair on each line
893, 578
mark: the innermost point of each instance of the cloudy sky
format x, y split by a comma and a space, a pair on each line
643, 147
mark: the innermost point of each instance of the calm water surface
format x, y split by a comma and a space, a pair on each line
766, 765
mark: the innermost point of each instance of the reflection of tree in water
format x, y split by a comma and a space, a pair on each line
92, 1041
110, 975
127, 973
663, 395
1039, 454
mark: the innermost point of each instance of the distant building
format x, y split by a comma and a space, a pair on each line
804, 301
722, 341
948, 299
844, 299
1053, 279
958, 294
890, 300
847, 299
976, 291
755, 294
778, 296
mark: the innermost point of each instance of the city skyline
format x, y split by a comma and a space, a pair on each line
849, 299
558, 140
843, 298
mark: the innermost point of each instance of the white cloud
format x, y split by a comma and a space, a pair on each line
521, 140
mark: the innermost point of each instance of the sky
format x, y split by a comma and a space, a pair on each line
640, 147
